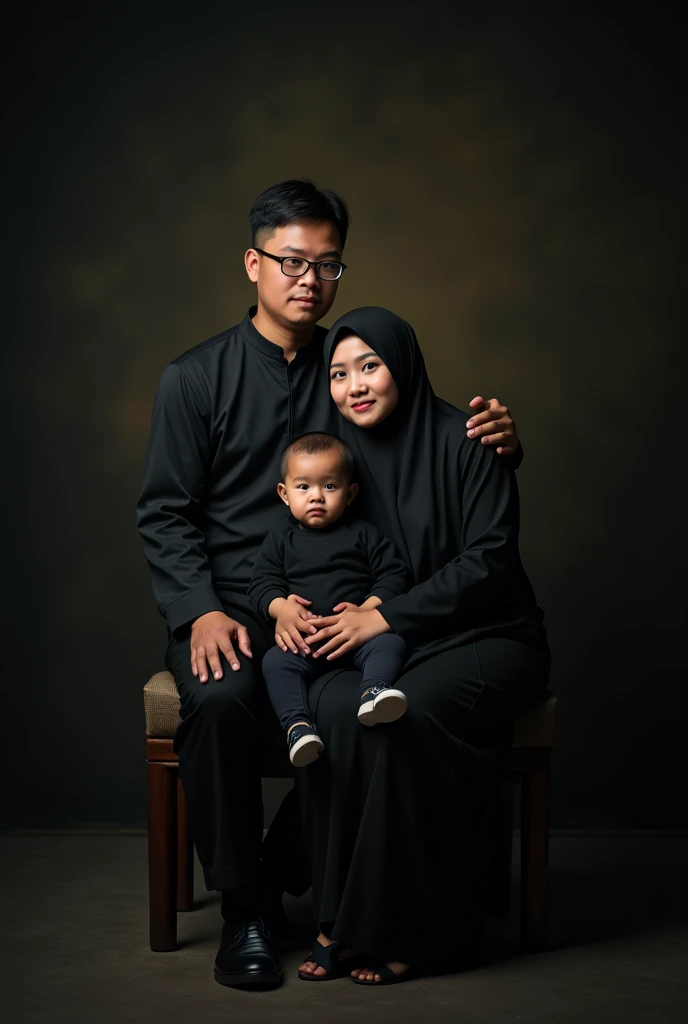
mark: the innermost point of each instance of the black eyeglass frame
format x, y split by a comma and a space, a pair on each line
311, 263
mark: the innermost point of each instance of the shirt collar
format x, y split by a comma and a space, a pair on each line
309, 352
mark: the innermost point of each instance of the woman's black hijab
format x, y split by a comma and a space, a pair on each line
408, 465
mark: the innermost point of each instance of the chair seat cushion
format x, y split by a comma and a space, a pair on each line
161, 704
534, 728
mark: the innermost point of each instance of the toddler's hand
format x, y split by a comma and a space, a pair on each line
291, 622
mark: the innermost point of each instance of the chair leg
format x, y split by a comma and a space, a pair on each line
162, 856
499, 895
534, 856
185, 854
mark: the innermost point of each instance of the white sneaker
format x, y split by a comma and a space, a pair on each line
381, 704
305, 746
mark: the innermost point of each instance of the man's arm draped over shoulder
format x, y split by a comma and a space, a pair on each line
169, 510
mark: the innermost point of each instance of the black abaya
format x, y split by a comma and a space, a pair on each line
448, 502
396, 816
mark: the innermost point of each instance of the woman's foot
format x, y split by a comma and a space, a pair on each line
308, 967
365, 973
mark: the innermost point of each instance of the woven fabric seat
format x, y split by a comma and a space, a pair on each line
534, 728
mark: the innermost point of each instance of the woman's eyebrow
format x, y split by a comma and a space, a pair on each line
366, 355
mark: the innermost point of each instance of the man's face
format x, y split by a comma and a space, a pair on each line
295, 301
361, 386
317, 488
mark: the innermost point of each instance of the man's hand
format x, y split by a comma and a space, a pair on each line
212, 633
347, 630
293, 619
493, 425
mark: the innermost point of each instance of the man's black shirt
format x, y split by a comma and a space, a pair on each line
223, 413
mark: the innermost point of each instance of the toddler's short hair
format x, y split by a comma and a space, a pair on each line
312, 444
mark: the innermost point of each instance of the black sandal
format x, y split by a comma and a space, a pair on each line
387, 976
327, 958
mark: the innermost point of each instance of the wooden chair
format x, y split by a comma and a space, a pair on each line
170, 849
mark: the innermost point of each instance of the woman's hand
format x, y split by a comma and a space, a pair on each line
293, 619
345, 631
493, 424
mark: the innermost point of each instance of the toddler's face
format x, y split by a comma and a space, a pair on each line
317, 488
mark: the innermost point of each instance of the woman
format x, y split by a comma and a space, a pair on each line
397, 817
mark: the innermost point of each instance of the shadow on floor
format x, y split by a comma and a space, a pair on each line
600, 889
75, 912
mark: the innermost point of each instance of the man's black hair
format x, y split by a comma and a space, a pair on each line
296, 200
313, 444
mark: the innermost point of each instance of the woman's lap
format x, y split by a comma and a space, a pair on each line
383, 803
473, 690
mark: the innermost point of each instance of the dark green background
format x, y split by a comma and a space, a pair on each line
516, 192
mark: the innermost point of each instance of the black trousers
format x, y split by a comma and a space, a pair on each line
219, 743
397, 818
288, 675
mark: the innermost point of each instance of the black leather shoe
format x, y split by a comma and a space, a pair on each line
264, 902
246, 957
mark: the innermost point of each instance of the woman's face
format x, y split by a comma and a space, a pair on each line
361, 386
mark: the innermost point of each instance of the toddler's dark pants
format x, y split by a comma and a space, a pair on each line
288, 675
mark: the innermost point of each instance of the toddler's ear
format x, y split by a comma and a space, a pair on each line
282, 491
353, 491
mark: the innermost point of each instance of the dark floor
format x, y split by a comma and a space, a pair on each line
75, 931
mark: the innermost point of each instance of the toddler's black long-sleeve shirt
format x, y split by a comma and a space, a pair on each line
348, 561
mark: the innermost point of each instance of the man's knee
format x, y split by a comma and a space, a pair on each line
217, 697
233, 695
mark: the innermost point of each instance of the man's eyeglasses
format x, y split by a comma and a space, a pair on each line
297, 266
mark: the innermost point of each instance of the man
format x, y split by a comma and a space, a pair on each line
223, 413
